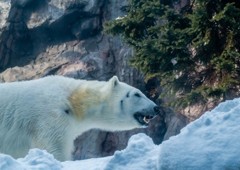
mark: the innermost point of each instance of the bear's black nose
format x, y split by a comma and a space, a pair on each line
157, 109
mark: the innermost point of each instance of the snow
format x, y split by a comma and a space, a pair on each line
139, 147
211, 142
35, 160
140, 152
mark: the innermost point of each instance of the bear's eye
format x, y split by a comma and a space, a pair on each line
67, 112
137, 95
127, 94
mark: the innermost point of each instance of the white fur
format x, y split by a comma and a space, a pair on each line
33, 113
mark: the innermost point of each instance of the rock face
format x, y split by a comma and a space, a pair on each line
63, 37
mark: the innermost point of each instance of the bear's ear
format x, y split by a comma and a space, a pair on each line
114, 81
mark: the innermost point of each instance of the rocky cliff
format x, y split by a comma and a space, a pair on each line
63, 37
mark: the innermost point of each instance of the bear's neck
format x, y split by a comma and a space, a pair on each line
85, 102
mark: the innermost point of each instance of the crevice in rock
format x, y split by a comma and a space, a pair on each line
53, 71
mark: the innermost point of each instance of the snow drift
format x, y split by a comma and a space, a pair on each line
211, 142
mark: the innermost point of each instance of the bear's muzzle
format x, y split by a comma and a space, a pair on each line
143, 117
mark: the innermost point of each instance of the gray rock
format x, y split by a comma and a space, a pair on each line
174, 123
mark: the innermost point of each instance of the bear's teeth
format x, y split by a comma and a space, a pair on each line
146, 120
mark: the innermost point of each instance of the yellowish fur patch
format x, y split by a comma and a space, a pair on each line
82, 99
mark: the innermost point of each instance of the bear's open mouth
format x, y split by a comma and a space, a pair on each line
142, 119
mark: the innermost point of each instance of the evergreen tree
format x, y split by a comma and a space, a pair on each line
194, 53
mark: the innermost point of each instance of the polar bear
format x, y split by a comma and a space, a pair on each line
49, 113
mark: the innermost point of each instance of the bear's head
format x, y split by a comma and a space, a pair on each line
126, 107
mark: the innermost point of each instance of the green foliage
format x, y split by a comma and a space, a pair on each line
194, 53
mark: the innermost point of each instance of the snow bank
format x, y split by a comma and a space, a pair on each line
211, 142
140, 153
35, 160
